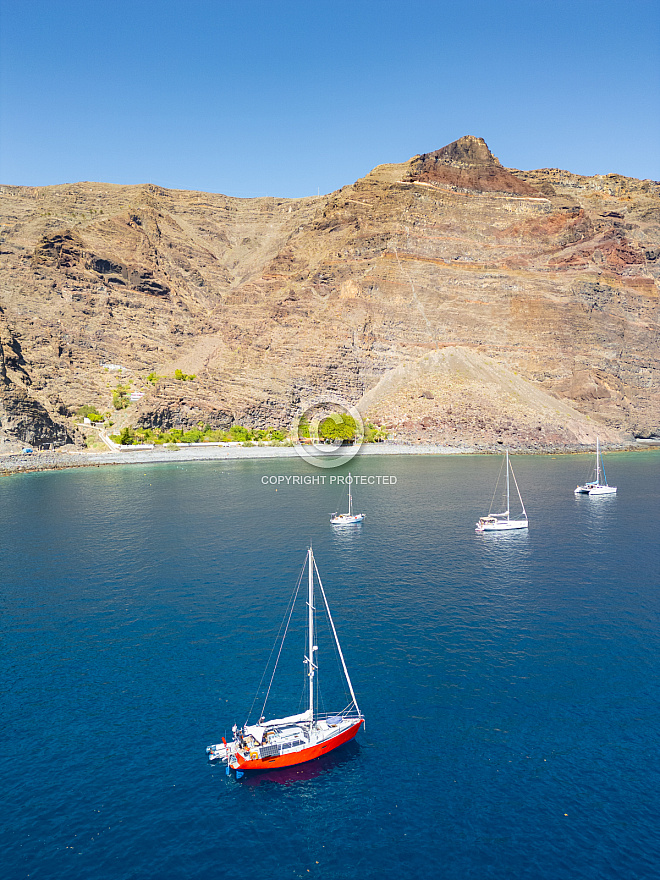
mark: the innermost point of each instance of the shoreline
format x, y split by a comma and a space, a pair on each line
14, 463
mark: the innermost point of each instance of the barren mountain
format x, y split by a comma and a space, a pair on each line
451, 298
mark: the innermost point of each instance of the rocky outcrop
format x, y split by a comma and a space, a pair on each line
268, 302
468, 164
182, 405
67, 250
24, 421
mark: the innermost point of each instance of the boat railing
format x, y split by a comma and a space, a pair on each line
274, 749
337, 717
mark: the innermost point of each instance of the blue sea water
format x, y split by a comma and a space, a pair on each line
509, 682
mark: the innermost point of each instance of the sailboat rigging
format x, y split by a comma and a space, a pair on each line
501, 522
283, 742
350, 518
595, 486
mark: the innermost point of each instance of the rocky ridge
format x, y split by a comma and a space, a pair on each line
456, 277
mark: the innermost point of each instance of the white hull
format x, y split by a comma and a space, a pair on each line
343, 519
502, 526
595, 490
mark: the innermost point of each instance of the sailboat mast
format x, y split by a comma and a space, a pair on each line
349, 495
597, 461
334, 632
508, 506
310, 627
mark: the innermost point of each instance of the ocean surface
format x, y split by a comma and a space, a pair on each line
509, 682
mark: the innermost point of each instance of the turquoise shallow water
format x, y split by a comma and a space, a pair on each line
509, 681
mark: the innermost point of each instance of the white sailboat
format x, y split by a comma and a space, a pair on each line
283, 742
595, 486
502, 522
350, 518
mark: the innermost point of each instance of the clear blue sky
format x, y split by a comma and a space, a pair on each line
289, 97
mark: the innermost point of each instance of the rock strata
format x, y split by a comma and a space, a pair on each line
468, 165
539, 277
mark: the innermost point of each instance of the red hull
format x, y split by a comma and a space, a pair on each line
303, 755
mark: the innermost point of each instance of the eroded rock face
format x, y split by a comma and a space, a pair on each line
172, 405
476, 401
24, 420
469, 165
271, 302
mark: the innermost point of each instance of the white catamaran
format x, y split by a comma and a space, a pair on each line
282, 742
595, 487
502, 522
350, 518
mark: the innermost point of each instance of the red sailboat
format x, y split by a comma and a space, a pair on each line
283, 742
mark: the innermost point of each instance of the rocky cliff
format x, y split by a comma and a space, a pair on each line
451, 298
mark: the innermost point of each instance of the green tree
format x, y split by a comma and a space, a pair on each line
120, 397
339, 426
374, 433
85, 411
89, 412
238, 432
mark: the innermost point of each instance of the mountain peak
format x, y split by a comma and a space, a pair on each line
468, 164
468, 150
